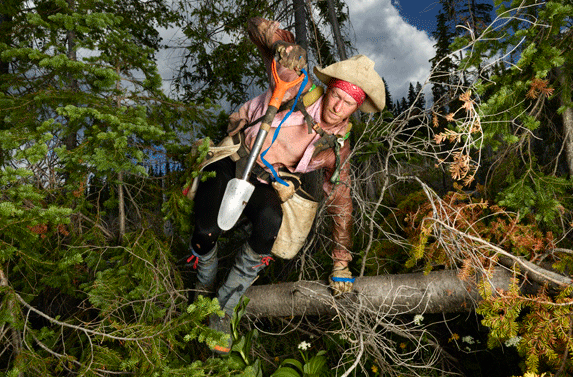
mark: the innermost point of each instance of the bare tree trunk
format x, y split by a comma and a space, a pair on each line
121, 187
567, 116
336, 30
300, 23
4, 69
416, 293
4, 66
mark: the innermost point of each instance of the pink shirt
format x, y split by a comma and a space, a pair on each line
293, 147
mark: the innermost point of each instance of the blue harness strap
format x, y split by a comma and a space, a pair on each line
276, 133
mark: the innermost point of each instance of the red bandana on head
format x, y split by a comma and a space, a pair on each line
353, 90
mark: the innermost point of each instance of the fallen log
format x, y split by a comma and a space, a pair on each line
414, 293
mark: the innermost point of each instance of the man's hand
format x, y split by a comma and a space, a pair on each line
290, 55
341, 280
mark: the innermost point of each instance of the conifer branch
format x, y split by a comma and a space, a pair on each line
84, 329
533, 271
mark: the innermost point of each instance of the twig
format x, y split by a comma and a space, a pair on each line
566, 352
82, 329
538, 274
358, 357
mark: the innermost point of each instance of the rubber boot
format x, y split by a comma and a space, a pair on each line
247, 266
206, 266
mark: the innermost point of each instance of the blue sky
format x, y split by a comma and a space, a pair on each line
421, 14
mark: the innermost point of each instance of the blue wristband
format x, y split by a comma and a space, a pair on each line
344, 280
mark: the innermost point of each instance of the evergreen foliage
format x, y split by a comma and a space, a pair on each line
471, 17
520, 96
94, 156
78, 297
522, 100
442, 67
221, 64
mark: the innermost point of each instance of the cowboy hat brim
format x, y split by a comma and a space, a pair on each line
358, 70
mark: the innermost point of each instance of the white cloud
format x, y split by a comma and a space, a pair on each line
401, 51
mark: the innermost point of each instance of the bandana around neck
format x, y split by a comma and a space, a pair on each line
353, 90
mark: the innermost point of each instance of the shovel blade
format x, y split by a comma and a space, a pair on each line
235, 199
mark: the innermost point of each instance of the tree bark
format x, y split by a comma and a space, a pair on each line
4, 66
336, 30
300, 23
71, 140
415, 293
121, 204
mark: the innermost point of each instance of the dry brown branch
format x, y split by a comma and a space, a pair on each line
453, 240
388, 156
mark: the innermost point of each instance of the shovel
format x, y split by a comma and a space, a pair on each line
239, 190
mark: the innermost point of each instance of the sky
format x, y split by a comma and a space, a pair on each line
397, 36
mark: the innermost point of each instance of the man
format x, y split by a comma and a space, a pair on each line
282, 215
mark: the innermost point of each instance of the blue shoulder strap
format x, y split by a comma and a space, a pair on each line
267, 164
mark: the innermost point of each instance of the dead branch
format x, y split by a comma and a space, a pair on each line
532, 271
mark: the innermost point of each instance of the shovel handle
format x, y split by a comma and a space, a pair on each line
257, 146
278, 93
230, 210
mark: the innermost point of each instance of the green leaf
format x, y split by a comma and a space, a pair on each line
315, 366
293, 362
285, 372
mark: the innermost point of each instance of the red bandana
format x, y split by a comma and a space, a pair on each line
353, 90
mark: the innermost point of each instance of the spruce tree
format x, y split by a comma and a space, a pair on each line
77, 296
220, 63
421, 97
473, 15
525, 97
389, 103
411, 95
442, 68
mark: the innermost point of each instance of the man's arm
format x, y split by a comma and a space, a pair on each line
267, 35
271, 40
339, 206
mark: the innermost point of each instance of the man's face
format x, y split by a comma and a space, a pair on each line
338, 105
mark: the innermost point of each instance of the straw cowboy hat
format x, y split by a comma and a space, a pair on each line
358, 70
